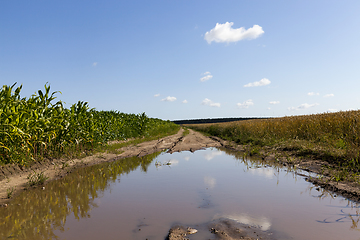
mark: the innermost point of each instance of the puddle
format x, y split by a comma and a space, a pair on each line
141, 198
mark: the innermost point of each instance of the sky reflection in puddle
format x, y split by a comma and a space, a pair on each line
139, 199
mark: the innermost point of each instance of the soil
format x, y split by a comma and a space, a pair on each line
222, 229
15, 177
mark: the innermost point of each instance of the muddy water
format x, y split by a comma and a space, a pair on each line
141, 198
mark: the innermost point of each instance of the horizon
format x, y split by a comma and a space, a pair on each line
177, 60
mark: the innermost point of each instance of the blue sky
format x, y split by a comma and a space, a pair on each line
225, 58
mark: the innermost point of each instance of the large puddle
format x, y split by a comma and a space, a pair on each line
141, 198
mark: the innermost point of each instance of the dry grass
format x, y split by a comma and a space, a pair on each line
333, 137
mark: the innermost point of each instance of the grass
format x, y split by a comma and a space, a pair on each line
10, 192
331, 137
36, 178
186, 132
114, 148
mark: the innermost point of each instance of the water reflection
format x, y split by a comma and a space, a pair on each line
349, 213
261, 222
188, 188
36, 214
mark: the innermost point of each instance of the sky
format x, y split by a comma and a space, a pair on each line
182, 59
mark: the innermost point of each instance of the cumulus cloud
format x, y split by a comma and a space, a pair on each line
225, 33
303, 106
94, 64
262, 222
157, 95
210, 182
262, 82
332, 110
274, 102
207, 76
208, 156
173, 162
265, 172
185, 101
245, 104
169, 99
313, 94
210, 103
328, 95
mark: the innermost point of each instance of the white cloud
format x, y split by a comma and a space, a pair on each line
303, 106
313, 94
328, 95
265, 172
245, 104
262, 222
173, 162
225, 33
274, 102
185, 101
208, 76
211, 155
210, 103
262, 82
169, 99
94, 64
210, 182
332, 110
157, 95
204, 79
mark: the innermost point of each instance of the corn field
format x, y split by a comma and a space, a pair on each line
38, 126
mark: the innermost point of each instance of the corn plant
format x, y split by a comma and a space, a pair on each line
38, 127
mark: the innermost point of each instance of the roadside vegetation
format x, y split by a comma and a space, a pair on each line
39, 127
67, 198
330, 137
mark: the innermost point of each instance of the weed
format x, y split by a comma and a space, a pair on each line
186, 132
64, 165
10, 192
36, 178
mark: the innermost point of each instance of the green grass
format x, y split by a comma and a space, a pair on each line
186, 132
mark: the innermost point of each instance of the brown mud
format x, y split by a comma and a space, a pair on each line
223, 229
13, 177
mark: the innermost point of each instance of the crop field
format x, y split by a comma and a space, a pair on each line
333, 137
37, 127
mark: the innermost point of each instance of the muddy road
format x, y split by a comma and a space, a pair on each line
16, 178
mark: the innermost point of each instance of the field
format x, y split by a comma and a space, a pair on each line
39, 127
331, 137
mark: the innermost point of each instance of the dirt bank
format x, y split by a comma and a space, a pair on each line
15, 177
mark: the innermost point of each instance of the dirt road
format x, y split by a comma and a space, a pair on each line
14, 177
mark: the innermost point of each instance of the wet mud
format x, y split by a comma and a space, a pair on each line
222, 229
13, 177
